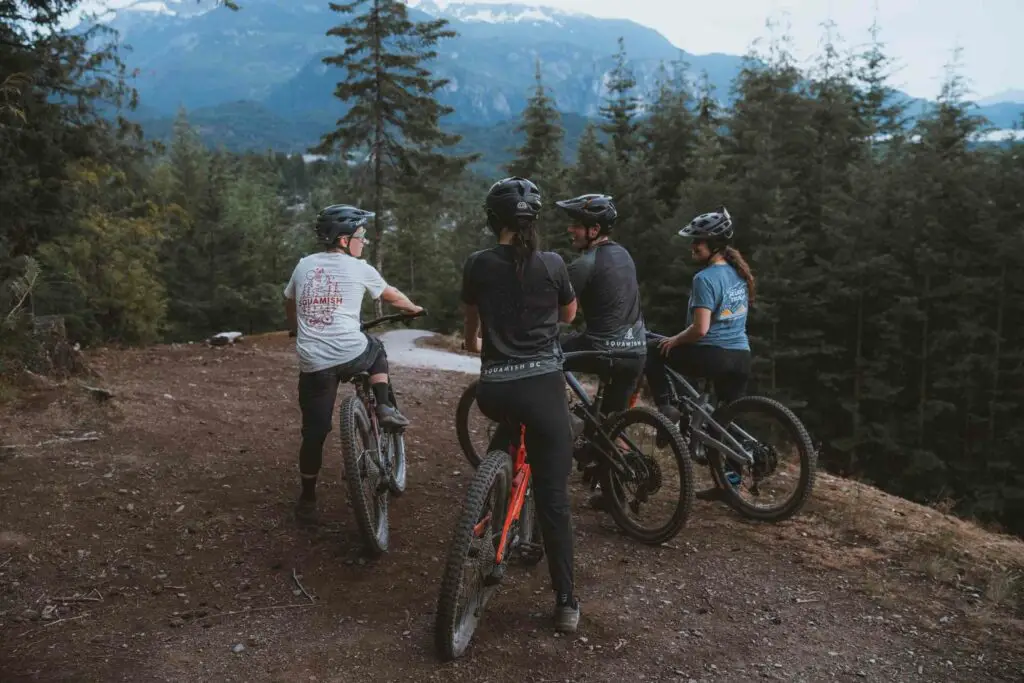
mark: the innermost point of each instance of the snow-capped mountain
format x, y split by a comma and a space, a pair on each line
111, 10
196, 55
493, 13
269, 55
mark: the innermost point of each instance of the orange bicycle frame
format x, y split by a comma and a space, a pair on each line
520, 480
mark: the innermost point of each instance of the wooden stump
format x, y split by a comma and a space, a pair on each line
54, 354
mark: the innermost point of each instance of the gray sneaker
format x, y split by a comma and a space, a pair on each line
390, 419
305, 511
567, 614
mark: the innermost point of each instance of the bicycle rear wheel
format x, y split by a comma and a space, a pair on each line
778, 438
647, 485
467, 584
473, 429
367, 482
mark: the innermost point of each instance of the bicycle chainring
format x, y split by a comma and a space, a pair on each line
766, 461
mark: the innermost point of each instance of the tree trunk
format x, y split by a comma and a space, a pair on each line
923, 386
378, 170
858, 370
994, 398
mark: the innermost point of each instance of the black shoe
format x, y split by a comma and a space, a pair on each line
390, 419
567, 614
305, 511
713, 493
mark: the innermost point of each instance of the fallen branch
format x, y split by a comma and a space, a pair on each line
7, 562
85, 598
99, 392
301, 587
51, 623
254, 609
80, 616
67, 439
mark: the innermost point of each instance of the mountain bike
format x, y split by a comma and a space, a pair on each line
737, 459
375, 462
498, 516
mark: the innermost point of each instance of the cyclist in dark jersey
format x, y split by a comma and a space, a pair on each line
518, 295
714, 344
604, 277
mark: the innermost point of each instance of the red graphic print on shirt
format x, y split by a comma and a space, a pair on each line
321, 296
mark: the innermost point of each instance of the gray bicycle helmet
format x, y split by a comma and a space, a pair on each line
715, 227
510, 200
591, 210
340, 220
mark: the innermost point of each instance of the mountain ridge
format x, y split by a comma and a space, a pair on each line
270, 54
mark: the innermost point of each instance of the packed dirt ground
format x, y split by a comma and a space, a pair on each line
149, 537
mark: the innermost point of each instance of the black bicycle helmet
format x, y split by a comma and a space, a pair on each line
715, 227
511, 199
591, 210
340, 220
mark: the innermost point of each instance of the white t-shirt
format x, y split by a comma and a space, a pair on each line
328, 289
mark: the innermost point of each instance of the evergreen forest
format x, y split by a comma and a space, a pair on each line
889, 256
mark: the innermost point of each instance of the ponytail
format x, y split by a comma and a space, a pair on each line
524, 240
735, 259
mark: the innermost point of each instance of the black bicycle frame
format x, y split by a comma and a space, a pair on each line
700, 402
361, 383
604, 447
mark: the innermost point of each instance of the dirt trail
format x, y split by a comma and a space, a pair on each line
134, 556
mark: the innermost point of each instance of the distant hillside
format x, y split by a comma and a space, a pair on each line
249, 126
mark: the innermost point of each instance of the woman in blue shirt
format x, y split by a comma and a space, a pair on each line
714, 344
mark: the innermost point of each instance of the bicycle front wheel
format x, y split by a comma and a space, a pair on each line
367, 480
468, 582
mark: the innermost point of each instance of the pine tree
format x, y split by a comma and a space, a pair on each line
709, 111
393, 119
621, 108
591, 171
943, 246
768, 159
54, 87
539, 158
705, 188
669, 133
856, 253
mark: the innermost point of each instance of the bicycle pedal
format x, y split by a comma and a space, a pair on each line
531, 553
495, 576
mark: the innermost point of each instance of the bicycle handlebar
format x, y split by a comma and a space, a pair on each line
390, 318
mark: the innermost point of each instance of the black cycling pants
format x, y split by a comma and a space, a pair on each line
317, 393
622, 380
539, 403
729, 369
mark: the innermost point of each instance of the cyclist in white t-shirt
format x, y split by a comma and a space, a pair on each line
323, 300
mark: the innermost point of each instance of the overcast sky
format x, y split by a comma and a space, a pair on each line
920, 34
